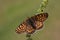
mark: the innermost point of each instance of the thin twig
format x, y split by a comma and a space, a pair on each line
28, 36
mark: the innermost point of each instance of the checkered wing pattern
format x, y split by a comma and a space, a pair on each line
33, 23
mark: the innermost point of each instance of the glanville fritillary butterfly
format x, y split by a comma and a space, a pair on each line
32, 24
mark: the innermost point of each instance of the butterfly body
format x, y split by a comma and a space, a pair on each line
31, 24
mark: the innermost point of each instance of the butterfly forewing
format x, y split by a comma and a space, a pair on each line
41, 17
21, 28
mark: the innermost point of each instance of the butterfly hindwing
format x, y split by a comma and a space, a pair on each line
30, 29
38, 25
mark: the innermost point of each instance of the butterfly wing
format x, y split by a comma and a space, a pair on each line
21, 28
38, 25
39, 19
30, 29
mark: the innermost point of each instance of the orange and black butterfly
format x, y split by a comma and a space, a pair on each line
33, 23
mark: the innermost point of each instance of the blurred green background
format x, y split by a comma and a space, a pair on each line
13, 12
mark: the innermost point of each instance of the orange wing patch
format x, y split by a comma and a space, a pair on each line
38, 25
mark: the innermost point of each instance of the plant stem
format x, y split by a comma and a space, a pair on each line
28, 37
42, 6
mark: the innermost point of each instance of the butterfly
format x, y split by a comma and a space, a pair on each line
32, 24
